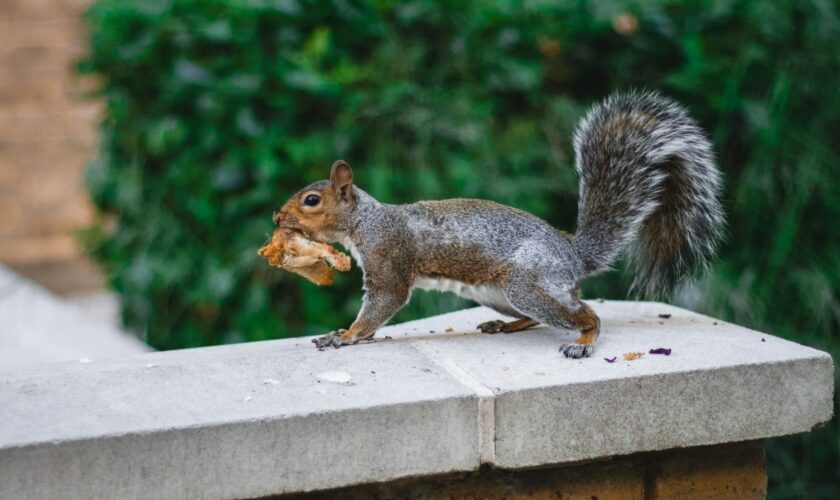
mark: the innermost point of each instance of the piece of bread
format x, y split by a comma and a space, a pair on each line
289, 250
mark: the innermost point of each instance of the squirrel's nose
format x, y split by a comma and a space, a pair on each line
283, 220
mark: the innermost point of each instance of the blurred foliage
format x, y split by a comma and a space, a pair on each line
218, 110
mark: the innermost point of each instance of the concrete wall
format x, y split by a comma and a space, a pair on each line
47, 134
281, 417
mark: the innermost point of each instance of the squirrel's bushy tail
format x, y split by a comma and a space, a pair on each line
648, 183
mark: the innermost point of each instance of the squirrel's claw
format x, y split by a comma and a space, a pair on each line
576, 351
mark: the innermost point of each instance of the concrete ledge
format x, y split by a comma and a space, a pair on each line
279, 417
238, 421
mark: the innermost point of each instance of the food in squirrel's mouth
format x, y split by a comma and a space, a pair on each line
290, 250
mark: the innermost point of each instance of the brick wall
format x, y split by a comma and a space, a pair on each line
47, 134
733, 471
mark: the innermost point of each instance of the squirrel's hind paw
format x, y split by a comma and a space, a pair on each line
494, 326
499, 326
576, 351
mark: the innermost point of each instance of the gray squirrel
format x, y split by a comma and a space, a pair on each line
648, 185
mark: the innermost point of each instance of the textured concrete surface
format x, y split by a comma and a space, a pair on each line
721, 383
38, 327
280, 416
239, 421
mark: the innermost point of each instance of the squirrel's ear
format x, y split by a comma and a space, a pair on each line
341, 178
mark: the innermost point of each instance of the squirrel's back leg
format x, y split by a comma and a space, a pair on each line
559, 307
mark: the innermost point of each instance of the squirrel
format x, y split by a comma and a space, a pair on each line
648, 185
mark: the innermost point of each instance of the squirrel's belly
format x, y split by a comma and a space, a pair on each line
489, 295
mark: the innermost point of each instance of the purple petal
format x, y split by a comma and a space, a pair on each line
610, 360
660, 350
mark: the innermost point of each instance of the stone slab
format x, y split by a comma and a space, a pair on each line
721, 383
235, 421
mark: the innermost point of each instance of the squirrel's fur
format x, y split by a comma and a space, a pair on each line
648, 183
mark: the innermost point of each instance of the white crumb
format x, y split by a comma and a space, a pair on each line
335, 376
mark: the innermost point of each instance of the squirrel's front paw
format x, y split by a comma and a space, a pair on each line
340, 338
577, 350
331, 339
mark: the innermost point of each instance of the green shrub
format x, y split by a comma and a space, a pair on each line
217, 110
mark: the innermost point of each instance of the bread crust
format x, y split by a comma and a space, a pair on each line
291, 251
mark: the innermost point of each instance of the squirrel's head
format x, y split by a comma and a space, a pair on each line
322, 210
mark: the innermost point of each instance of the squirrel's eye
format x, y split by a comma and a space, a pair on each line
312, 200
